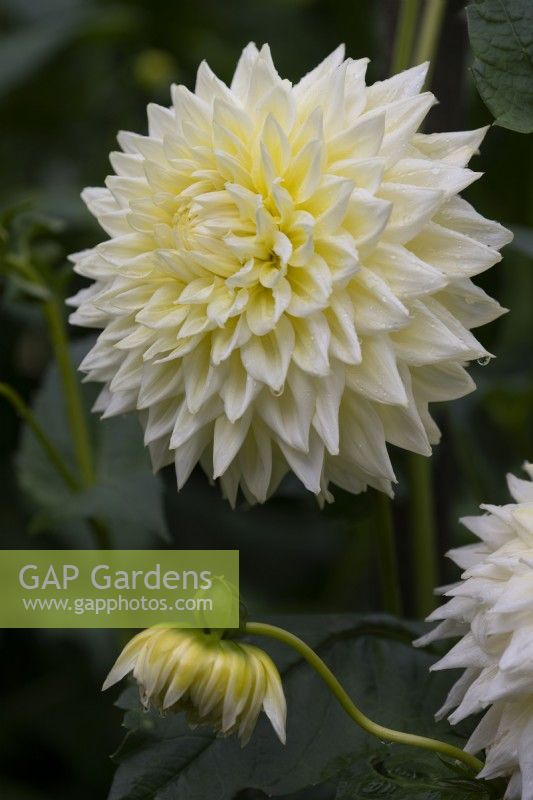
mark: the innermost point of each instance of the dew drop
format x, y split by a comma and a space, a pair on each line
484, 361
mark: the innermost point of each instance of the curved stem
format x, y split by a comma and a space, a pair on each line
404, 37
423, 533
74, 403
54, 456
388, 734
387, 555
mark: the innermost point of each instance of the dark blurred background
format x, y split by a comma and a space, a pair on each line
74, 72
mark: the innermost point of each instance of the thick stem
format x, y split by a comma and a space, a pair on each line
53, 312
53, 454
423, 533
429, 33
405, 34
75, 410
387, 555
73, 400
387, 734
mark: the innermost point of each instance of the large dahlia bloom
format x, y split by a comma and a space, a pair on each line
223, 684
492, 609
287, 282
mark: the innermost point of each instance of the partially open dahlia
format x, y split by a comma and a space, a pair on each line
217, 682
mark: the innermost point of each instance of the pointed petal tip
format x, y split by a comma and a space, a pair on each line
111, 680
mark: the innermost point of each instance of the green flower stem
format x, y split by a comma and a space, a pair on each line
53, 312
75, 409
387, 734
74, 403
54, 456
405, 34
387, 555
429, 33
423, 533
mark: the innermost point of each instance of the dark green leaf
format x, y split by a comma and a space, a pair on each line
501, 35
161, 759
126, 495
401, 773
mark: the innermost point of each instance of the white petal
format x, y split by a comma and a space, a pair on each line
326, 419
201, 378
241, 78
228, 439
377, 376
126, 660
255, 461
289, 415
455, 254
366, 218
188, 454
470, 304
362, 437
267, 357
311, 344
403, 84
344, 342
403, 426
522, 491
238, 390
188, 424
455, 147
406, 275
458, 215
307, 466
432, 336
325, 67
402, 118
412, 208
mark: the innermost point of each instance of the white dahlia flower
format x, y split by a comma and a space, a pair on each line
216, 682
492, 609
287, 282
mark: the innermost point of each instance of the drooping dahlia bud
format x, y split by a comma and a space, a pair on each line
287, 279
216, 682
492, 609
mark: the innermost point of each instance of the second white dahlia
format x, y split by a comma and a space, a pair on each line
492, 609
287, 282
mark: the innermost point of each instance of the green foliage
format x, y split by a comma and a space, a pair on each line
162, 759
401, 774
126, 496
501, 36
32, 257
